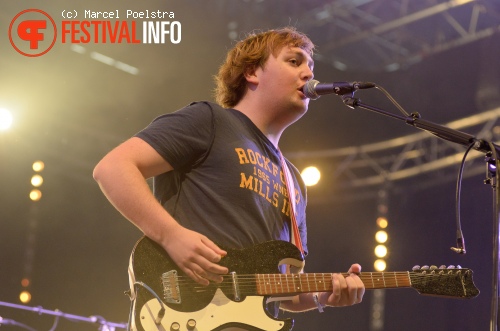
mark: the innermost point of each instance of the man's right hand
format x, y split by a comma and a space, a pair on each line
195, 254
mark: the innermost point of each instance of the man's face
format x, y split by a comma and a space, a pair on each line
282, 78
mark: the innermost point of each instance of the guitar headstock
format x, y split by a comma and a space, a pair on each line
451, 281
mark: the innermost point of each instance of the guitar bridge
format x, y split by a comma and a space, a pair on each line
171, 291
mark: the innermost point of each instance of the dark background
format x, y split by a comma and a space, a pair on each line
70, 110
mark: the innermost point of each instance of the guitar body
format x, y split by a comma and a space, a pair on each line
214, 307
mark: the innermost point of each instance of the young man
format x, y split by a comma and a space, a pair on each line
219, 175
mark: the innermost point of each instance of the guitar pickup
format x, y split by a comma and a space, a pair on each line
171, 290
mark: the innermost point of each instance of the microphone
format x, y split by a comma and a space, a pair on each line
314, 89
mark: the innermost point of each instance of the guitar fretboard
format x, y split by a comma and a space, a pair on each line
269, 284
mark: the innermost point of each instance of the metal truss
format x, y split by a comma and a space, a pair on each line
390, 35
403, 157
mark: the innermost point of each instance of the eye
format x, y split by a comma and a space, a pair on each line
294, 61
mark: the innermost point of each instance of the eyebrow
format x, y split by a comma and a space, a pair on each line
310, 61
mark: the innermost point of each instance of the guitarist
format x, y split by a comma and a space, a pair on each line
219, 176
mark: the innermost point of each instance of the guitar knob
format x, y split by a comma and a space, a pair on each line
175, 326
191, 324
415, 268
425, 267
442, 266
451, 267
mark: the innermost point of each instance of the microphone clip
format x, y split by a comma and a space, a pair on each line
349, 100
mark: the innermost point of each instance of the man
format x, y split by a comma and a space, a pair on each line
219, 175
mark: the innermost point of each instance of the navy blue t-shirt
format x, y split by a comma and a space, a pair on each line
227, 181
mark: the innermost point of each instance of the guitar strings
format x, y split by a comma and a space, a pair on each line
371, 280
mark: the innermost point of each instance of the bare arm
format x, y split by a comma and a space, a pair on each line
121, 176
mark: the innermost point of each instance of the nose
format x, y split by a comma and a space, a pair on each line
307, 74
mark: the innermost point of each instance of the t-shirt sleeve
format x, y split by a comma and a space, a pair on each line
182, 138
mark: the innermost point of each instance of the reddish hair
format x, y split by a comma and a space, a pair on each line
250, 53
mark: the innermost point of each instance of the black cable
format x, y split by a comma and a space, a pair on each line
460, 249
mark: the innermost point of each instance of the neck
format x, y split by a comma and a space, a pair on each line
270, 121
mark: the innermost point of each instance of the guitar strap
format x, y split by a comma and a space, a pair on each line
290, 187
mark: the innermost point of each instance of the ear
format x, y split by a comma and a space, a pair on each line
251, 75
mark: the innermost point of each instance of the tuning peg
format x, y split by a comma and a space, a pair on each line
459, 266
415, 268
425, 267
433, 267
451, 267
442, 266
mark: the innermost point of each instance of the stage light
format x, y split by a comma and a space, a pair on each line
311, 176
36, 180
25, 282
379, 265
380, 251
382, 222
5, 119
35, 195
25, 297
381, 236
38, 166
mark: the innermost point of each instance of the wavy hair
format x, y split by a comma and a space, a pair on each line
249, 54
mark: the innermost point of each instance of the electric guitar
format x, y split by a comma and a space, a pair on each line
164, 298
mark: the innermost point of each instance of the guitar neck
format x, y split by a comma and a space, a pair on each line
273, 284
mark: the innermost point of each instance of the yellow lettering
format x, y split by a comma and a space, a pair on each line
246, 182
286, 207
251, 156
275, 199
275, 169
266, 164
259, 159
242, 156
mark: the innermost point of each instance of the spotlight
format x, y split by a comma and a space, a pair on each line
36, 180
5, 119
25, 296
382, 222
381, 236
380, 265
380, 251
311, 176
38, 166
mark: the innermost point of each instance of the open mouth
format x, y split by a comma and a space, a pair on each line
301, 93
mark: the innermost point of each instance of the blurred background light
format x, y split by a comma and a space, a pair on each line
6, 119
37, 180
311, 176
380, 251
38, 166
379, 265
25, 296
35, 195
381, 236
382, 222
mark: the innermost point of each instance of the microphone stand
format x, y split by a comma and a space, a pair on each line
493, 169
103, 324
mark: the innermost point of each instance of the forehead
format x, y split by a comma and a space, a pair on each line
297, 51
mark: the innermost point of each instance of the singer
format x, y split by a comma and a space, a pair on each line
220, 180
